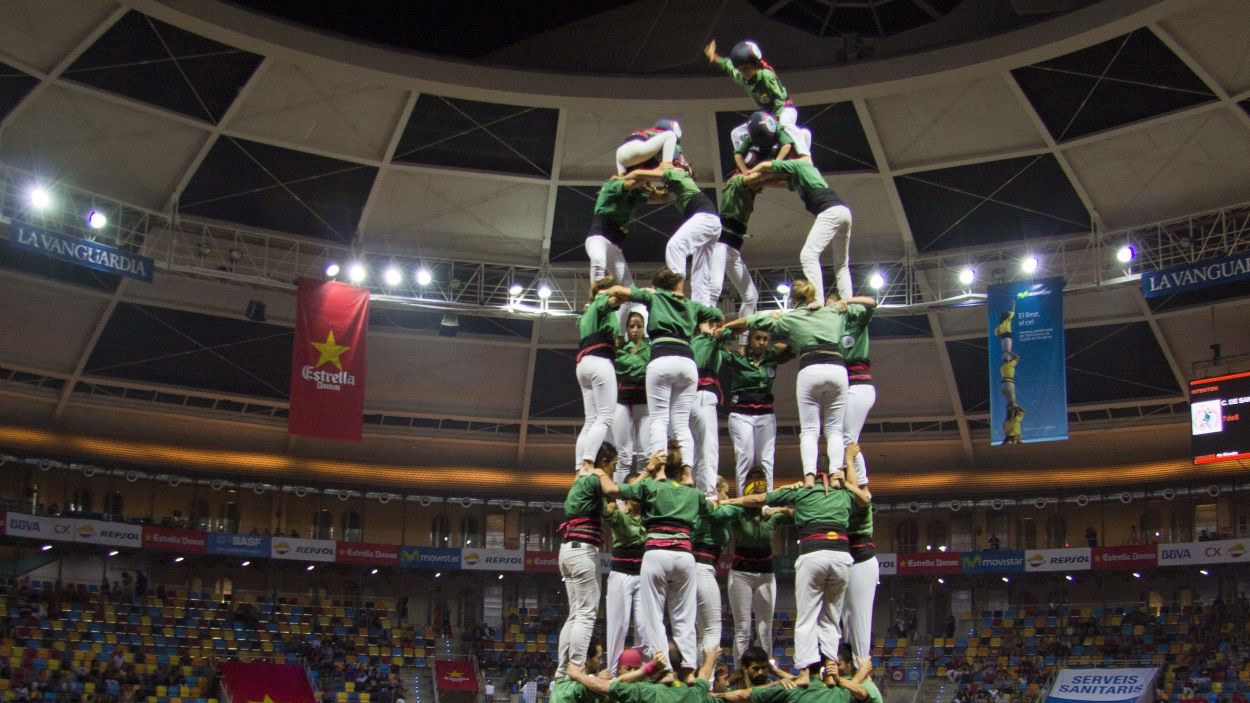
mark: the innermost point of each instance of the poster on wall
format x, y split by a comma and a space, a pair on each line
1028, 375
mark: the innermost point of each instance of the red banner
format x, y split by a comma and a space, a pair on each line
1133, 556
174, 539
542, 562
271, 683
454, 676
328, 360
922, 563
367, 554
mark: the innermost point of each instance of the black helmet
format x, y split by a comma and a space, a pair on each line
745, 52
669, 124
762, 127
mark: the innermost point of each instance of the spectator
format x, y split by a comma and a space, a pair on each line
1091, 536
994, 544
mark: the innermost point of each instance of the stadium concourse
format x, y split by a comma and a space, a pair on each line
333, 341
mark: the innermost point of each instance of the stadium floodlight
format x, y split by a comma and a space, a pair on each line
393, 277
40, 198
332, 269
1029, 264
876, 281
114, 553
544, 291
357, 272
515, 290
424, 277
967, 276
1125, 254
96, 219
783, 289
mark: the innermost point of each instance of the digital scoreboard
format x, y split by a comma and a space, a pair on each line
1219, 410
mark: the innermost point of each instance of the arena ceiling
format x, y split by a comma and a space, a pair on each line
1066, 137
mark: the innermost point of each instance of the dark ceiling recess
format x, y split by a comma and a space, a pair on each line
162, 65
480, 136
839, 144
648, 232
551, 394
994, 202
871, 18
1123, 80
14, 85
456, 28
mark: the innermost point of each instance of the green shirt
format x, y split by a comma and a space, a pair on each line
666, 500
751, 376
874, 693
804, 328
627, 530
631, 359
749, 529
673, 316
598, 318
712, 527
813, 505
618, 204
708, 351
682, 186
647, 692
585, 498
800, 175
855, 335
737, 202
764, 87
567, 690
816, 692
861, 519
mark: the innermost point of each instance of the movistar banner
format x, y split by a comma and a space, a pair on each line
437, 558
92, 255
991, 562
1102, 685
1028, 373
1200, 274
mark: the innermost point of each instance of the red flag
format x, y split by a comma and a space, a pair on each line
265, 683
328, 360
454, 675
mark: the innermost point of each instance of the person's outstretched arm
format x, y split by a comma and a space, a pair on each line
594, 684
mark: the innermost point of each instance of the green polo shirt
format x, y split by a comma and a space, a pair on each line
647, 692
855, 333
627, 530
804, 328
617, 204
813, 504
764, 87
673, 316
666, 500
749, 529
598, 318
752, 376
585, 498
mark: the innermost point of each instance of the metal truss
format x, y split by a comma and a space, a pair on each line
201, 248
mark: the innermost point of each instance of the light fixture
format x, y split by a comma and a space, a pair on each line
941, 580
45, 548
40, 198
1136, 574
178, 560
246, 563
1204, 572
436, 575
235, 255
374, 572
1029, 264
1125, 254
515, 290
928, 547
332, 269
114, 553
424, 277
356, 272
941, 547
1069, 577
96, 219
205, 249
310, 567
500, 577
876, 281
1006, 580
449, 325
544, 291
393, 276
967, 276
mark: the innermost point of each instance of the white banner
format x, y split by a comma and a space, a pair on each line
115, 534
888, 564
1102, 685
1075, 559
301, 549
36, 527
1222, 551
492, 559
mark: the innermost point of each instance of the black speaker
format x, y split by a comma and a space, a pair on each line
255, 311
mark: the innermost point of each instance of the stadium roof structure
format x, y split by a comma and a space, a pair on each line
241, 150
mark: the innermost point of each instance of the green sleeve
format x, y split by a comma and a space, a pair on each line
774, 87
784, 137
640, 295
874, 693
724, 514
768, 694
727, 66
705, 313
780, 356
625, 692
632, 491
743, 148
763, 321
860, 313
777, 520
789, 166
733, 512
782, 497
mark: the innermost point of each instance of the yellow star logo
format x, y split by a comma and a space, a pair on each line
330, 352
267, 700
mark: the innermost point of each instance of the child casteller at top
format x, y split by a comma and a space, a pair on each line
747, 67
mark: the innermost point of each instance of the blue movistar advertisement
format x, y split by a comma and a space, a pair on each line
1028, 373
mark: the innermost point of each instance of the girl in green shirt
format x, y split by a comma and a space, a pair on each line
596, 374
629, 427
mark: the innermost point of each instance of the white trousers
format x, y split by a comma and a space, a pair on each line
629, 433
579, 569
597, 378
821, 393
695, 237
636, 151
725, 260
668, 579
749, 594
708, 617
861, 591
860, 398
755, 440
624, 599
832, 230
788, 121
607, 258
671, 383
819, 585
704, 426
